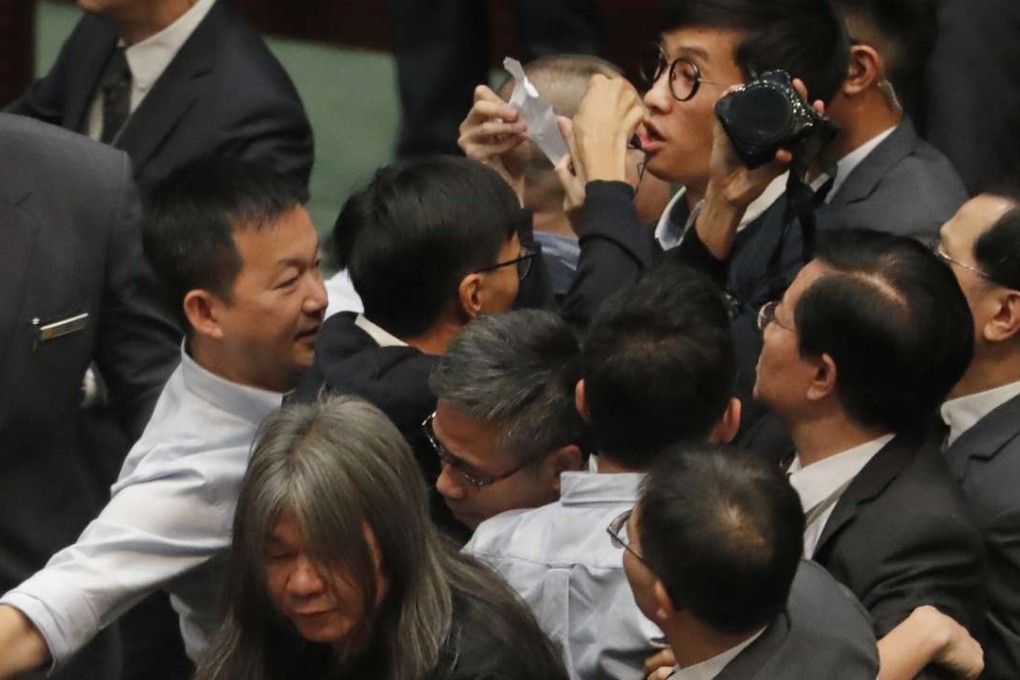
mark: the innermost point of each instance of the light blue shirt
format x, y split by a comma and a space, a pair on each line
561, 561
168, 522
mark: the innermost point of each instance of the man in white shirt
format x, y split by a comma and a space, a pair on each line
237, 250
857, 356
170, 82
657, 367
712, 553
982, 246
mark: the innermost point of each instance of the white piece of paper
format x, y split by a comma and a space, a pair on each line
537, 113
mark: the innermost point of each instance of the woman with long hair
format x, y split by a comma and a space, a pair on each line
337, 572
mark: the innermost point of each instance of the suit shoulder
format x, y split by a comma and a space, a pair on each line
38, 147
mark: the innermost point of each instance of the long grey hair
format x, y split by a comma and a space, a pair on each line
337, 467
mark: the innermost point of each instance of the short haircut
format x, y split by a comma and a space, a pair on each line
562, 80
724, 531
418, 229
902, 31
658, 364
997, 251
805, 38
192, 217
894, 321
520, 371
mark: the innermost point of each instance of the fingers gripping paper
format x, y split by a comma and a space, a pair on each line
537, 113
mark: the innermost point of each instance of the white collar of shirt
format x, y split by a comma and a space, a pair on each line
382, 337
250, 403
578, 488
150, 57
818, 481
849, 162
669, 234
710, 668
963, 413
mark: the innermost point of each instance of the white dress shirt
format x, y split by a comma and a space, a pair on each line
341, 294
826, 480
963, 413
710, 668
149, 58
167, 524
560, 560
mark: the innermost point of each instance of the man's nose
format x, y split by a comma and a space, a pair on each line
450, 484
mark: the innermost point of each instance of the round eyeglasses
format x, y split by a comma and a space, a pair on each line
684, 75
523, 262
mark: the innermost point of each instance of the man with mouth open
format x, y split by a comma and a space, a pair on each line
237, 251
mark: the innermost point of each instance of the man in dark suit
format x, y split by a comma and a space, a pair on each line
172, 81
888, 178
982, 245
857, 357
77, 289
713, 556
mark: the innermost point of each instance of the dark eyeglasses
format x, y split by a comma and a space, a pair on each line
767, 315
615, 529
523, 262
447, 458
684, 75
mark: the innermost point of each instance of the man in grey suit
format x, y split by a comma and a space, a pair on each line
982, 245
888, 178
713, 556
76, 289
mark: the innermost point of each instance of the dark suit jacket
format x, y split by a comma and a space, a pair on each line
986, 461
904, 186
901, 536
824, 633
70, 225
223, 94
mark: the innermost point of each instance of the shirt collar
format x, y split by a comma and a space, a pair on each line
578, 488
669, 234
150, 57
849, 162
250, 403
382, 337
818, 481
963, 413
710, 668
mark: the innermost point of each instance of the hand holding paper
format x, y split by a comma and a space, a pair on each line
537, 113
492, 133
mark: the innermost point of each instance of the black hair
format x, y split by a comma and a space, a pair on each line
724, 531
421, 226
658, 365
997, 250
894, 321
908, 29
805, 38
193, 214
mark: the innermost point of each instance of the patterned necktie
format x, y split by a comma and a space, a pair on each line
115, 85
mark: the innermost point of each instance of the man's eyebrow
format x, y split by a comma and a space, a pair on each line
685, 51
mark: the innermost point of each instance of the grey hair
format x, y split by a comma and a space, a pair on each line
337, 466
520, 371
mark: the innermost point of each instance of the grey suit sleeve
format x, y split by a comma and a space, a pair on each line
139, 343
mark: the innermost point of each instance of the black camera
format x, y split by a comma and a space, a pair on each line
767, 114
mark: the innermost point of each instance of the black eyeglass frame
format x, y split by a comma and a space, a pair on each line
767, 315
663, 65
447, 458
614, 529
523, 260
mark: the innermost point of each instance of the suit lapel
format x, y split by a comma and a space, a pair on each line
100, 38
986, 438
18, 234
174, 93
869, 172
867, 485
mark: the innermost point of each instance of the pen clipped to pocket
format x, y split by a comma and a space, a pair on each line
57, 329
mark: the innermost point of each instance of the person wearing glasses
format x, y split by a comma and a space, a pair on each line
858, 355
505, 425
712, 552
429, 245
981, 244
657, 367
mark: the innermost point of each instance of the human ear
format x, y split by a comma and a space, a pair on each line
1005, 324
864, 70
471, 295
580, 403
725, 430
664, 607
202, 310
565, 459
824, 382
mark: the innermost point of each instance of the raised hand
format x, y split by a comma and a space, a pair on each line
492, 133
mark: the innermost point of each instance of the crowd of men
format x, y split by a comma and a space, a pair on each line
696, 443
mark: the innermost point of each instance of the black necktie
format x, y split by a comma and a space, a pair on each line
823, 191
115, 85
